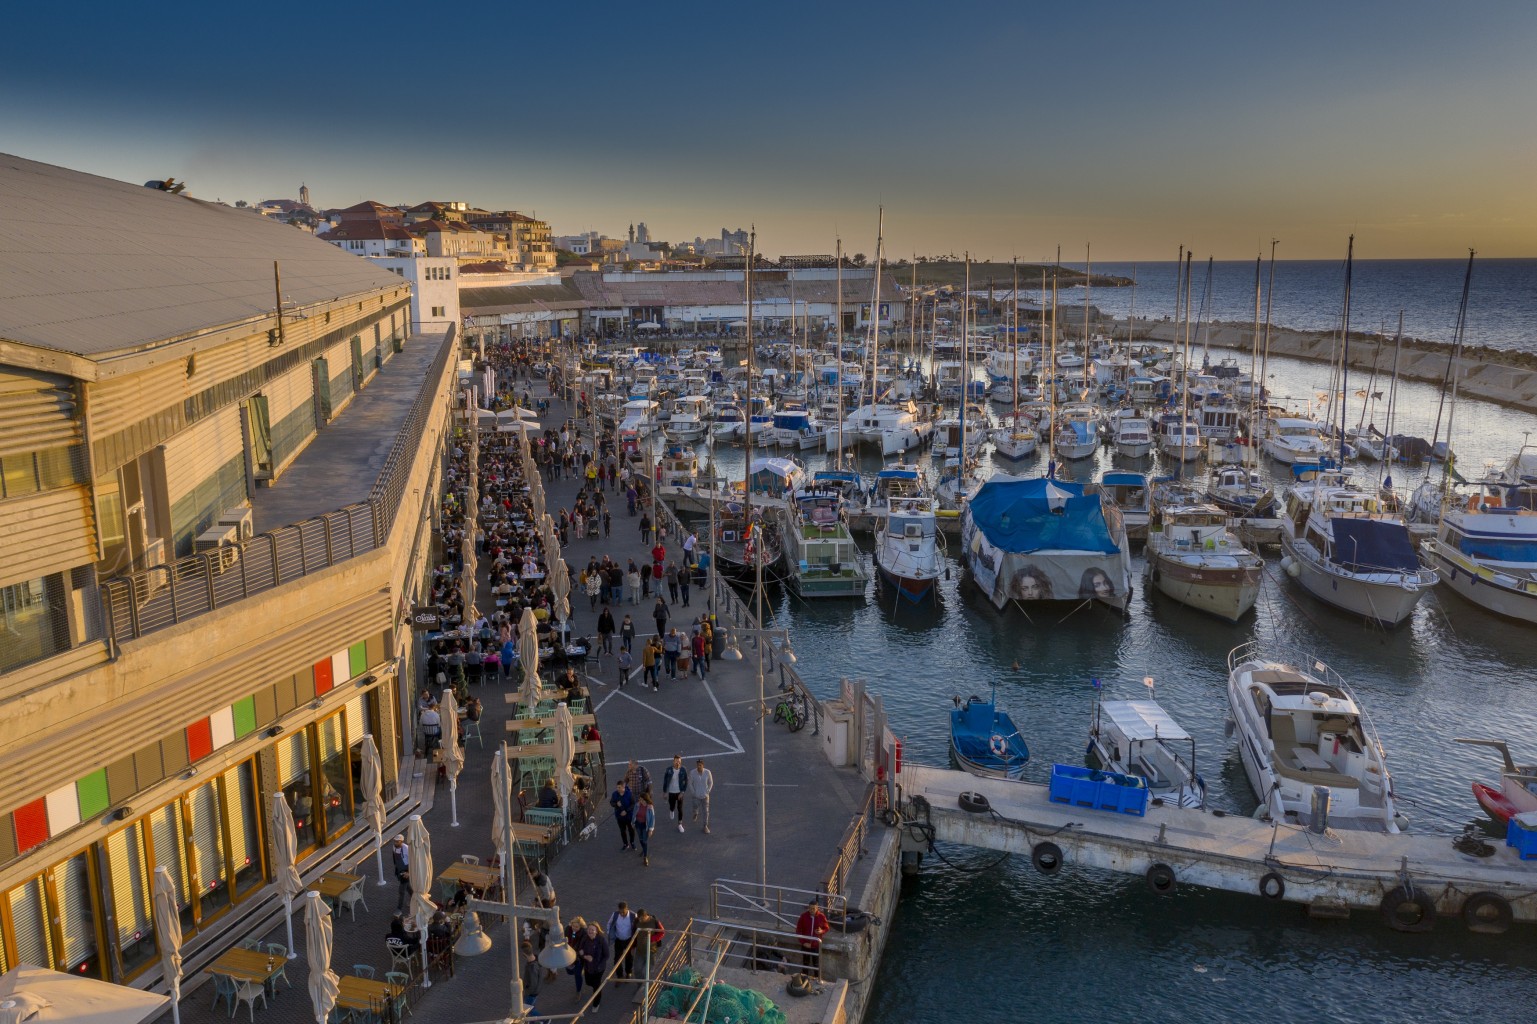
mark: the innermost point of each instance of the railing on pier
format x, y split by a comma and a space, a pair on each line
163, 595
777, 906
852, 849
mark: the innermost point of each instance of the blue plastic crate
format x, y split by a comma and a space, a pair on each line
1522, 834
1098, 790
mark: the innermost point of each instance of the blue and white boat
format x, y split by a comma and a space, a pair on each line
906, 534
984, 741
1043, 539
1486, 549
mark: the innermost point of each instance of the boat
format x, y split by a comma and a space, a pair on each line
1129, 492
907, 536
1133, 439
820, 555
742, 544
1138, 737
677, 468
1015, 439
1180, 437
775, 477
1486, 549
687, 422
1043, 539
1240, 491
1290, 439
984, 741
892, 427
640, 416
1517, 791
725, 422
1340, 544
1076, 435
1307, 746
792, 424
1195, 559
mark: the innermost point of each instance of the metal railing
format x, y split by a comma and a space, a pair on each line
778, 906
750, 948
163, 595
852, 850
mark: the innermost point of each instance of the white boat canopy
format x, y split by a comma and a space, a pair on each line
1142, 720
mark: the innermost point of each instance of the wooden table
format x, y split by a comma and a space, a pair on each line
333, 884
365, 994
246, 965
548, 749
523, 832
516, 697
548, 722
479, 876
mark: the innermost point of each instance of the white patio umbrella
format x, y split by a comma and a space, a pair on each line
565, 750
41, 996
528, 657
168, 934
420, 845
560, 586
324, 984
373, 799
467, 579
453, 753
501, 802
286, 845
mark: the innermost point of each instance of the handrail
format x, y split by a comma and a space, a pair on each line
852, 849
780, 904
141, 602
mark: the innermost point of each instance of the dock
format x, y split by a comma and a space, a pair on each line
1409, 879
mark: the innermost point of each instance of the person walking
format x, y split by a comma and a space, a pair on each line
645, 580
645, 527
648, 663
684, 577
675, 784
700, 781
811, 926
623, 804
672, 582
697, 649
626, 665
576, 930
623, 927
614, 577
400, 860
606, 629
608, 522
672, 646
638, 777
645, 825
627, 633
659, 615
592, 954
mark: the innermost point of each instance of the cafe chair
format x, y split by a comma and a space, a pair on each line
363, 971
248, 992
351, 898
224, 988
279, 952
400, 955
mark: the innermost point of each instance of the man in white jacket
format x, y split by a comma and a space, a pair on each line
700, 782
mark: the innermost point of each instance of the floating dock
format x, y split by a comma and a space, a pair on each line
1410, 879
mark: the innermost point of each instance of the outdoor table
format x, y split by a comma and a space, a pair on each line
516, 697
548, 722
333, 884
365, 995
478, 876
246, 965
548, 749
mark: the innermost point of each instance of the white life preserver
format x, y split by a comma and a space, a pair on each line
998, 746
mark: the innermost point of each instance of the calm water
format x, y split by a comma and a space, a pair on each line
977, 941
1502, 303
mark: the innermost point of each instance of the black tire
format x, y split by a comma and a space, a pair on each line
974, 803
798, 985
795, 721
1160, 878
1487, 913
1272, 886
1047, 858
1407, 909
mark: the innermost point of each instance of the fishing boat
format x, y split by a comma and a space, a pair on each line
640, 416
725, 422
1517, 790
775, 477
1180, 438
984, 741
1195, 559
1133, 438
1486, 549
742, 544
1130, 494
677, 468
1043, 539
821, 558
1345, 549
1307, 746
1138, 737
1077, 431
906, 536
1240, 491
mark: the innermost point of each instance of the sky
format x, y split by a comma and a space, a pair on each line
1000, 129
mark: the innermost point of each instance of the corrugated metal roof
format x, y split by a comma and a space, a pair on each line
93, 266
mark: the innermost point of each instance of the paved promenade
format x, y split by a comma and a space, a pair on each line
808, 804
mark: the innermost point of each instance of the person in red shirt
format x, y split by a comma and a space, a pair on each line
811, 926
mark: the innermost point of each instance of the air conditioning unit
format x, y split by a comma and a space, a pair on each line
223, 538
239, 517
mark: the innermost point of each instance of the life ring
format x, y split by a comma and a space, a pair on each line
1272, 886
974, 803
1047, 858
1487, 913
998, 745
1407, 909
1160, 879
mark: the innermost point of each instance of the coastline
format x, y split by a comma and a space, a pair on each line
1512, 381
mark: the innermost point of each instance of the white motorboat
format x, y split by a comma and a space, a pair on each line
725, 421
1307, 746
1348, 551
1486, 549
1290, 439
1180, 438
688, 418
1133, 437
893, 427
1138, 737
1015, 439
907, 536
1195, 559
1077, 432
639, 416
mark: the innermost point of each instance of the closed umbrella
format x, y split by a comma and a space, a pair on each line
467, 579
565, 750
324, 984
501, 802
419, 843
373, 799
528, 658
168, 934
285, 843
560, 586
453, 753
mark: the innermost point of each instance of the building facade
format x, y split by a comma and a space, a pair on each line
170, 665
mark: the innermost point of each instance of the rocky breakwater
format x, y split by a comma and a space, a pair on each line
1495, 375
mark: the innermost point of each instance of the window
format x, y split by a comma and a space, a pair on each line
170, 852
34, 620
209, 869
131, 908
294, 776
76, 914
438, 311
336, 781
244, 817
34, 942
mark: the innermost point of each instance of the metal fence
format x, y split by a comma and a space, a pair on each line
163, 595
852, 849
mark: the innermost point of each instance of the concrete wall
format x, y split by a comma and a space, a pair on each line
857, 957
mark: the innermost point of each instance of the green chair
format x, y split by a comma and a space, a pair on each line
278, 952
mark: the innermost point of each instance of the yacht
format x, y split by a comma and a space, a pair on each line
907, 536
1180, 438
688, 418
1299, 728
1195, 559
639, 417
892, 427
1290, 439
1346, 550
1133, 438
1486, 549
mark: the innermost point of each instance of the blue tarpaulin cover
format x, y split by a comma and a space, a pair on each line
1040, 515
1373, 545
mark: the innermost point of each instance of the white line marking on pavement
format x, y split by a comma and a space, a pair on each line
734, 747
722, 712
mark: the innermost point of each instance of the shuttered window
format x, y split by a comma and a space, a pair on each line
355, 720
337, 787
77, 917
208, 847
294, 774
244, 827
168, 851
34, 944
132, 913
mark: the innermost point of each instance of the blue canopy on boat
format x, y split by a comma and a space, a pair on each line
1373, 545
897, 474
1039, 514
1124, 480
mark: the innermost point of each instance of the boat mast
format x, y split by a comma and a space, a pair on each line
838, 355
1051, 381
1088, 270
1184, 389
1014, 336
1249, 456
875, 308
1264, 366
1131, 316
1386, 481
1350, 249
913, 312
960, 455
752, 244
1462, 324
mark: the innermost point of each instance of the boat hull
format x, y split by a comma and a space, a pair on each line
915, 590
1013, 449
1387, 604
1076, 449
1229, 594
1133, 449
1505, 596
1496, 804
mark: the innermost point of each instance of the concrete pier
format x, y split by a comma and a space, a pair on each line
1331, 874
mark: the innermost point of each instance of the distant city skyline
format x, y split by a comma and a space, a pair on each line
1000, 129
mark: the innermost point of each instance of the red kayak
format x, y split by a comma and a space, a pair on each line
1498, 805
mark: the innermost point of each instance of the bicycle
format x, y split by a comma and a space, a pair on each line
791, 710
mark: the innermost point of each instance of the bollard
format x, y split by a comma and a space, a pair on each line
1319, 823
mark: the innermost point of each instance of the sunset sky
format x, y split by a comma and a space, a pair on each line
999, 128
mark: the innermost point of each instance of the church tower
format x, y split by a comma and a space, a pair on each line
304, 194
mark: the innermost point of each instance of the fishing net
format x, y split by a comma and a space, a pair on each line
726, 1002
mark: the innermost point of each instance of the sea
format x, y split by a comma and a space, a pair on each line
981, 939
1309, 295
